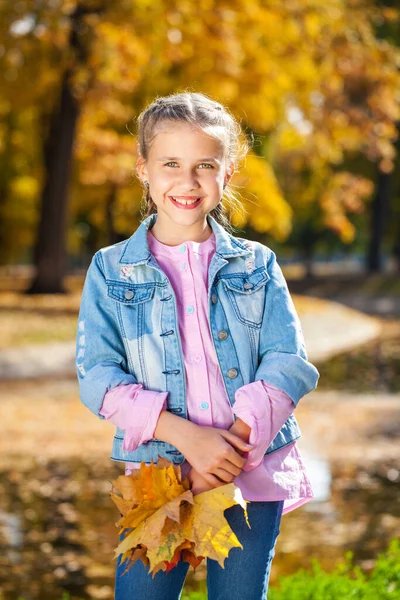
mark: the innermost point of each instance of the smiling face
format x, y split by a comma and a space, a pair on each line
187, 164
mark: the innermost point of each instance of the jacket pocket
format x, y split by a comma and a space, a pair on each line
246, 292
134, 309
130, 294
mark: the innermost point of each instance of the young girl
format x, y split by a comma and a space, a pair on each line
189, 342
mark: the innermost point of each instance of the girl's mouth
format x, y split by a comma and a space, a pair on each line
186, 203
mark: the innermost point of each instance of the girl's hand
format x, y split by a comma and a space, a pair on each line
212, 453
241, 429
198, 483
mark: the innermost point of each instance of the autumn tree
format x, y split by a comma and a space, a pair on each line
311, 80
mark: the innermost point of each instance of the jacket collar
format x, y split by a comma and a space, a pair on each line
137, 249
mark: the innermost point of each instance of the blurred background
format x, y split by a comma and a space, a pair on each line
316, 86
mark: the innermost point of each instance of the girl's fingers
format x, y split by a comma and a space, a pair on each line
225, 476
236, 441
213, 481
234, 458
230, 468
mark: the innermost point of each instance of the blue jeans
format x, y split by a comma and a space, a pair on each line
246, 573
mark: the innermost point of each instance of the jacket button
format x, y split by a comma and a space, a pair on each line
248, 285
232, 373
129, 295
214, 298
222, 335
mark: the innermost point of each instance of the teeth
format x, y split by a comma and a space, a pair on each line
184, 201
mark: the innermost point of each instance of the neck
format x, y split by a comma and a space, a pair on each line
175, 234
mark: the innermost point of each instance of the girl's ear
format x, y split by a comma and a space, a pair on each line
141, 169
230, 169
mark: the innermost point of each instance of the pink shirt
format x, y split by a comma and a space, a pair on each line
280, 475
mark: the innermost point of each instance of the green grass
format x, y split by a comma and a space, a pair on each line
345, 582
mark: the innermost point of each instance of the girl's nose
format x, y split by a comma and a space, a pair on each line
189, 182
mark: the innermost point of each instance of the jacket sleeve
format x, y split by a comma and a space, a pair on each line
101, 362
265, 409
135, 411
282, 354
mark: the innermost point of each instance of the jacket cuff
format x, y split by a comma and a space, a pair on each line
135, 411
264, 408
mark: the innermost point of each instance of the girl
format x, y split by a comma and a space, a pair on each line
189, 342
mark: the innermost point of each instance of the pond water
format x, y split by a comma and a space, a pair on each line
58, 529
372, 366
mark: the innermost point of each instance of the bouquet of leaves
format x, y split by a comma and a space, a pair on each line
162, 522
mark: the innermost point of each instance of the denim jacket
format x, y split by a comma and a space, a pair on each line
128, 330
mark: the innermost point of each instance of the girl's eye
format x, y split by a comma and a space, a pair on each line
175, 163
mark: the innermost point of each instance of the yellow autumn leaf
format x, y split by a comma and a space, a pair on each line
169, 523
207, 526
147, 490
129, 489
124, 506
150, 530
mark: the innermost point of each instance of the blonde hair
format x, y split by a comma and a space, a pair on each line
211, 116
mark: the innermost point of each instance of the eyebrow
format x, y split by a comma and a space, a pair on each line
209, 158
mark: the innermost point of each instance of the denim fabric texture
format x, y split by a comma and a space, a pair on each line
128, 330
246, 571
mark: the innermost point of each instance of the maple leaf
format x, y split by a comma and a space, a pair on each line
207, 526
163, 522
161, 542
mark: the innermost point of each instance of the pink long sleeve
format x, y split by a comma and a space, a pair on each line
264, 408
135, 411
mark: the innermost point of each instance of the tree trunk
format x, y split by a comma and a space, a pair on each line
308, 265
394, 197
6, 174
378, 216
50, 249
112, 236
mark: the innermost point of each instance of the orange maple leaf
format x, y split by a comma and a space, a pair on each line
163, 522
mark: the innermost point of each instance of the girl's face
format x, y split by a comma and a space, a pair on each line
184, 163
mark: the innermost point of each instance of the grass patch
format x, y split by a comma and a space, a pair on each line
20, 328
38, 319
345, 582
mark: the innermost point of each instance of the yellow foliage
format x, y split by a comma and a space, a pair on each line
266, 208
344, 193
263, 60
25, 187
163, 522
